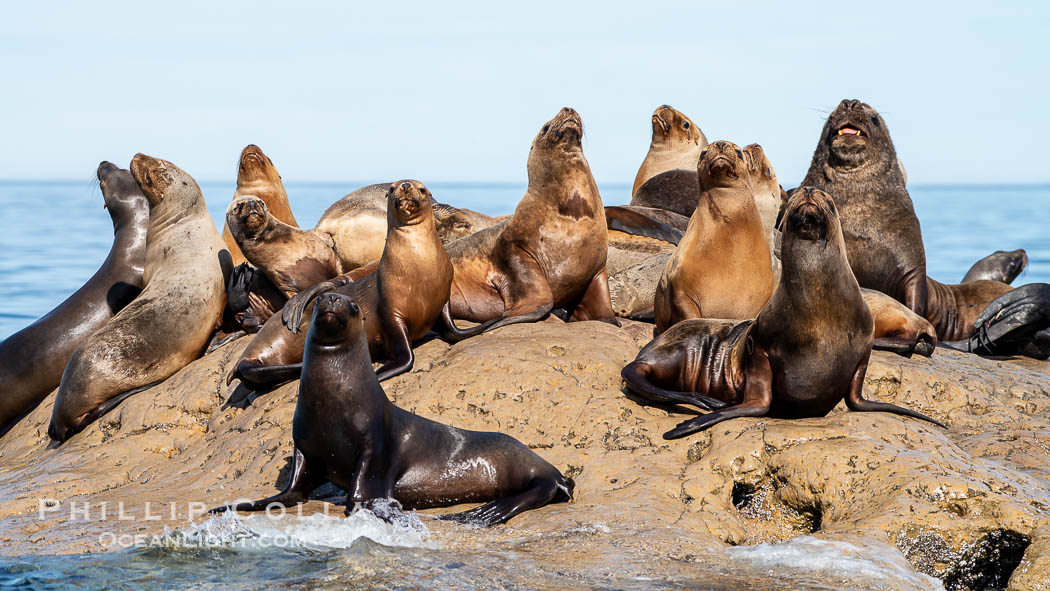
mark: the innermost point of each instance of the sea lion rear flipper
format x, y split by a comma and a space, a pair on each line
451, 333
292, 313
265, 375
631, 222
301, 482
596, 303
856, 402
904, 346
542, 490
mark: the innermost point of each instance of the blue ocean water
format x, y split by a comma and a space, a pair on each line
54, 235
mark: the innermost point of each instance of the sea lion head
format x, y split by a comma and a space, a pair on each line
856, 136
811, 217
120, 192
254, 165
452, 223
247, 217
721, 164
758, 165
672, 127
564, 132
163, 182
336, 321
408, 201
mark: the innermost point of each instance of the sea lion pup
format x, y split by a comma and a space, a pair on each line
897, 328
347, 432
169, 324
256, 175
32, 359
667, 176
290, 257
1003, 266
856, 164
454, 223
1016, 323
550, 254
805, 351
722, 267
401, 297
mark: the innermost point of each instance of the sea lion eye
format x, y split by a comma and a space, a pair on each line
739, 154
546, 127
685, 125
875, 120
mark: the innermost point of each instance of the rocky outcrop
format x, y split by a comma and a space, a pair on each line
966, 504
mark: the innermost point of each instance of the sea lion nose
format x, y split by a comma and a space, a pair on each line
406, 186
568, 110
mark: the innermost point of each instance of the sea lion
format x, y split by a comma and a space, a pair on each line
897, 328
290, 257
32, 359
357, 224
550, 254
953, 309
347, 432
855, 162
401, 297
765, 188
1003, 266
454, 223
675, 147
256, 175
1015, 323
722, 267
169, 323
805, 351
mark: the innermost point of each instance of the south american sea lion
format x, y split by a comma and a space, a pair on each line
1002, 266
667, 176
256, 175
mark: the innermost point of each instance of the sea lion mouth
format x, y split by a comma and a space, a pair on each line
658, 120
809, 221
848, 129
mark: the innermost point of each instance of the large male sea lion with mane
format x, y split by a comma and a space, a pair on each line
805, 351
347, 432
168, 325
32, 359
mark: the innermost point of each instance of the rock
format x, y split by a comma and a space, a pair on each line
633, 288
965, 504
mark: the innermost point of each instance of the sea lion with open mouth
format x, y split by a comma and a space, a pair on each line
805, 352
347, 432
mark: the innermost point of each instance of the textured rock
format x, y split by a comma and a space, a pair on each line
958, 504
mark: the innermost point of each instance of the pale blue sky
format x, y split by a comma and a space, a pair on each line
440, 92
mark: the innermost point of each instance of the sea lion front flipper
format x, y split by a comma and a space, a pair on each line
1010, 323
631, 222
904, 346
541, 492
596, 303
398, 350
636, 376
301, 482
292, 313
265, 375
856, 402
758, 397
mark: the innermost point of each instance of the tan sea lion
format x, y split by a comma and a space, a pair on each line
806, 351
256, 175
169, 323
722, 267
897, 328
550, 254
357, 224
855, 162
401, 297
290, 257
346, 431
676, 145
32, 359
764, 186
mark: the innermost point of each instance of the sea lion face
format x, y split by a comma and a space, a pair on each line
337, 320
247, 216
721, 164
809, 215
256, 166
119, 189
670, 126
409, 201
161, 180
564, 131
758, 164
452, 224
855, 133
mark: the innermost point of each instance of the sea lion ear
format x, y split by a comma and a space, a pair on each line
749, 344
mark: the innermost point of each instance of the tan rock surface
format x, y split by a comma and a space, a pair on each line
952, 501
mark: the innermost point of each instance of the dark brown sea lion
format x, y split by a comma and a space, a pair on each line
292, 259
722, 267
169, 323
550, 254
1003, 266
401, 297
807, 350
855, 162
256, 175
32, 359
675, 147
347, 432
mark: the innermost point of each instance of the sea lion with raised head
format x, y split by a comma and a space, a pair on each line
806, 351
347, 432
1002, 266
855, 162
667, 177
722, 267
292, 259
550, 254
168, 325
256, 175
401, 297
32, 359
